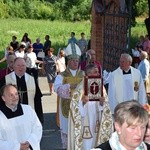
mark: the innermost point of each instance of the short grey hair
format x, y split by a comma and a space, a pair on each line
127, 57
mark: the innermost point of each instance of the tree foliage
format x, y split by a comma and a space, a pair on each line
71, 10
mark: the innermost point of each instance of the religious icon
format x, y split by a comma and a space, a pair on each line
93, 87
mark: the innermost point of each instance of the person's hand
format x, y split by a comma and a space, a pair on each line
25, 146
43, 62
40, 62
101, 100
85, 99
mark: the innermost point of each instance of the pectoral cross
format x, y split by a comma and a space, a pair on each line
21, 95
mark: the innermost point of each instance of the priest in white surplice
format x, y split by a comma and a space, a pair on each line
126, 83
90, 122
20, 128
29, 91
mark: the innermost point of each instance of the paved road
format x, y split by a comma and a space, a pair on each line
51, 134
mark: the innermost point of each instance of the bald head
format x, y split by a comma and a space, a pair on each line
143, 55
92, 55
90, 51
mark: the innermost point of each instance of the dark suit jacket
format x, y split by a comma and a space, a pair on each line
106, 146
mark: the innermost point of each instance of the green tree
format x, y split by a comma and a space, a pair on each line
73, 9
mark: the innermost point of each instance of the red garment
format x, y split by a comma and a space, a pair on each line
136, 60
4, 72
83, 65
146, 46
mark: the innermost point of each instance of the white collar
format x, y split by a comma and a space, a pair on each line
73, 72
116, 145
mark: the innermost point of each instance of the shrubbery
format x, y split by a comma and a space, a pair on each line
3, 10
27, 9
70, 10
76, 10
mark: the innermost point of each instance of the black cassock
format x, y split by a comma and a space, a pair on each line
106, 146
23, 95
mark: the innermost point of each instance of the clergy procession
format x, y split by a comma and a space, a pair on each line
93, 105
94, 110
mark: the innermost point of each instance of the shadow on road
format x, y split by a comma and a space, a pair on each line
51, 134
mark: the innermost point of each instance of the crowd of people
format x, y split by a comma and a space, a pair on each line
88, 115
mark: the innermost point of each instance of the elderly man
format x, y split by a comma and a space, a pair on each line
144, 68
20, 128
64, 84
29, 92
126, 83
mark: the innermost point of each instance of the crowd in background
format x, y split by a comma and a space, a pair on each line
40, 57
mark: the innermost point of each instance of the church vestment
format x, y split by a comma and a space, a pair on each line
87, 123
29, 92
62, 87
123, 87
18, 127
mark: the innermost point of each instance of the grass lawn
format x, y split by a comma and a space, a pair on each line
59, 31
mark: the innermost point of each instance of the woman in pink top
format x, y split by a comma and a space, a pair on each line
146, 45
